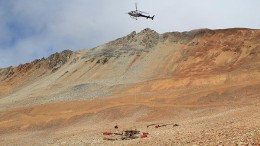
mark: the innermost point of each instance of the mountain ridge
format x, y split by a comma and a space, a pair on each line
191, 59
205, 81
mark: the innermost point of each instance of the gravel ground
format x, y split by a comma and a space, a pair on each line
224, 126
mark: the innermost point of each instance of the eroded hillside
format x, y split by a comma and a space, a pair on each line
141, 62
208, 81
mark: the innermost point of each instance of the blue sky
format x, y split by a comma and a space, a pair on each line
31, 29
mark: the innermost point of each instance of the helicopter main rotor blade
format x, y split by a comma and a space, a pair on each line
136, 6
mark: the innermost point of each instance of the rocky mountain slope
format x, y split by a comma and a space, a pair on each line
145, 61
144, 77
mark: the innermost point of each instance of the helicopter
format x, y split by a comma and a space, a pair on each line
137, 13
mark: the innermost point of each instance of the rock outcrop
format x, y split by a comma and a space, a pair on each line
207, 81
144, 62
14, 77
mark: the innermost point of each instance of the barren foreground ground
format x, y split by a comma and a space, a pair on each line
233, 122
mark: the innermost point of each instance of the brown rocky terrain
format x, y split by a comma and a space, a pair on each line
206, 81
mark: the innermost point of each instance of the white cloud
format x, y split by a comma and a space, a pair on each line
32, 29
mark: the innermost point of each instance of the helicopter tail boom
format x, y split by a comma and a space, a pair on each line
150, 17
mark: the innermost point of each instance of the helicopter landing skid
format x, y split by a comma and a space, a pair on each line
133, 17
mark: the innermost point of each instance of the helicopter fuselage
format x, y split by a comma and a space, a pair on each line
136, 14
